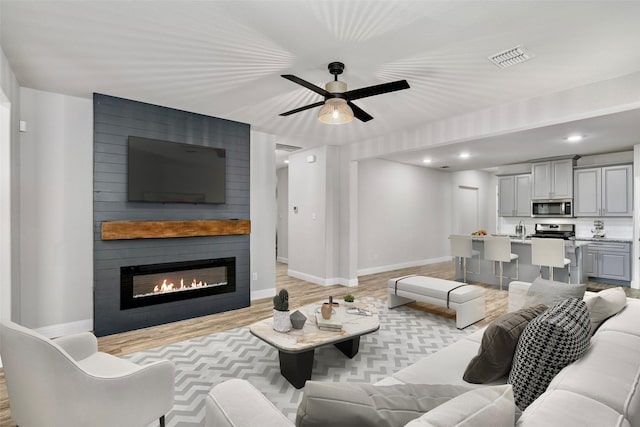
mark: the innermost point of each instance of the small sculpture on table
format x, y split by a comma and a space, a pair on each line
298, 319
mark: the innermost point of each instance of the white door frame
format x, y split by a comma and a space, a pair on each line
5, 207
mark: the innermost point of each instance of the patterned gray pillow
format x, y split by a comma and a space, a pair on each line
550, 342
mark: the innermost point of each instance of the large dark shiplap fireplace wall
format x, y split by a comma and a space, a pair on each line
140, 282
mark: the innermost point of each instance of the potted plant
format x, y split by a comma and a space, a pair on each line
281, 315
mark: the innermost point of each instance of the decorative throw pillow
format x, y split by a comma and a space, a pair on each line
605, 304
551, 341
486, 406
498, 345
356, 405
549, 292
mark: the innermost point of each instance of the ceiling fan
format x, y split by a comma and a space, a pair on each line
337, 107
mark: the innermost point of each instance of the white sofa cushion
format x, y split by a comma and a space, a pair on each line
627, 320
609, 373
567, 409
237, 403
357, 405
446, 366
549, 292
486, 406
605, 304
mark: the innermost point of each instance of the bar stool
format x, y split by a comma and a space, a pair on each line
461, 247
549, 253
498, 248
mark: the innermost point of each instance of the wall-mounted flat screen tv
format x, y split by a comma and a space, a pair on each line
170, 172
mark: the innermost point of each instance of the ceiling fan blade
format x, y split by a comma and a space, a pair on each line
306, 84
376, 90
359, 113
306, 107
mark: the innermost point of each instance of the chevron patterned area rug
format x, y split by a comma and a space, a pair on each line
405, 336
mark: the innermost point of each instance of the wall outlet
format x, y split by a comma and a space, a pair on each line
255, 276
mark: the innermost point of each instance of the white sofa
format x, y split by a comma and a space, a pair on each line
600, 389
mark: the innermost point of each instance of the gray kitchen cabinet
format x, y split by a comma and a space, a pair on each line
552, 179
608, 260
514, 195
617, 190
606, 191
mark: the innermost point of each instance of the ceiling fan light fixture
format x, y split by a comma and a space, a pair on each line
335, 111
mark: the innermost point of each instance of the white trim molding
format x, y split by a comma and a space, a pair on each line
323, 282
391, 267
282, 260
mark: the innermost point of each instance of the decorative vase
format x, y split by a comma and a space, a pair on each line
326, 310
281, 321
298, 319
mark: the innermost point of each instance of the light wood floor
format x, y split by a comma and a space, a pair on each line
300, 293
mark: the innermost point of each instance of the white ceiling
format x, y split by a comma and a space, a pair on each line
225, 58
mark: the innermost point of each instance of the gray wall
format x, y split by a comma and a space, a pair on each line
312, 229
114, 120
404, 215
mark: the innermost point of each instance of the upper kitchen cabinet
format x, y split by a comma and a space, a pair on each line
514, 195
552, 179
606, 191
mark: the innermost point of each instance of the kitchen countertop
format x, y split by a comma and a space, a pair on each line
527, 241
515, 239
604, 239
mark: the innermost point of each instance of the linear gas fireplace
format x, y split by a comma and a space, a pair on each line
142, 285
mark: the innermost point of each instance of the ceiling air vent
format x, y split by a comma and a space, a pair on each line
285, 147
511, 57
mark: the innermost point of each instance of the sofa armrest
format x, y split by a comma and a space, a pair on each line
237, 403
79, 346
517, 294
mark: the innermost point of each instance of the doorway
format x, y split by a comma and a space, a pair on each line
466, 210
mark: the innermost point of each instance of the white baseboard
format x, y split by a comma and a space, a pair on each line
262, 293
62, 329
282, 260
321, 281
346, 282
391, 267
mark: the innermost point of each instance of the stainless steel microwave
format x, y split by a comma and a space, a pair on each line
552, 208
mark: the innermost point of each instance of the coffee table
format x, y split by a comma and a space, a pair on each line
296, 347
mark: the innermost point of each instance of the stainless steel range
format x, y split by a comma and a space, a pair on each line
557, 231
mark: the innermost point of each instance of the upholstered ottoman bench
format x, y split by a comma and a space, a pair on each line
466, 300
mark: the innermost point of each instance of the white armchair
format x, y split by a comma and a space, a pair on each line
67, 382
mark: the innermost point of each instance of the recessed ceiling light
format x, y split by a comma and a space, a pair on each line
286, 161
464, 155
426, 161
574, 138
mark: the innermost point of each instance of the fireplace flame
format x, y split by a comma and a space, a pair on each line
170, 287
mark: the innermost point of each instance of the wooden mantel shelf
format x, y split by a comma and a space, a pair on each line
123, 230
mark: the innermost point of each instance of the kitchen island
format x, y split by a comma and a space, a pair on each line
527, 271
